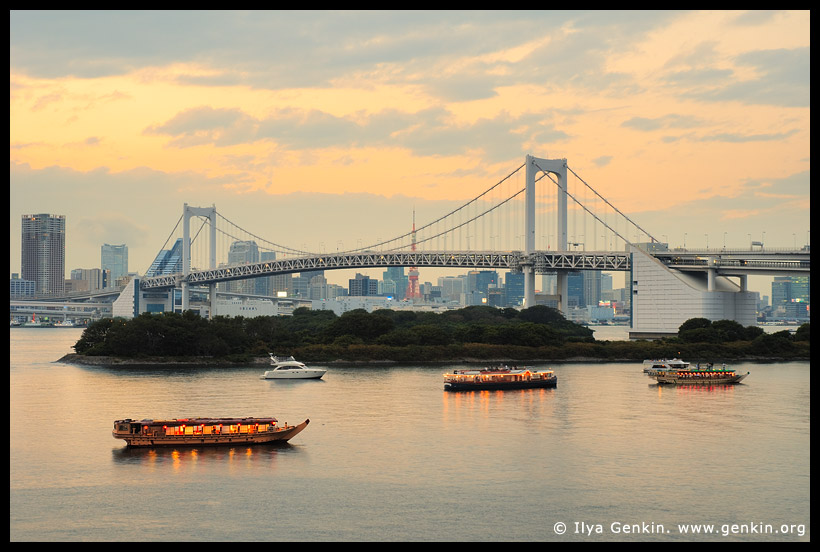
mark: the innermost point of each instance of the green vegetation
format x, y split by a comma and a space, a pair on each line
477, 333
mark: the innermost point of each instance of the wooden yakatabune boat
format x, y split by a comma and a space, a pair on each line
204, 431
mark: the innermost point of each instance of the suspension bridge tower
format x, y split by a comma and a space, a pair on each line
187, 213
558, 167
413, 273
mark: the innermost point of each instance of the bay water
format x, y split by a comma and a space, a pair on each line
389, 455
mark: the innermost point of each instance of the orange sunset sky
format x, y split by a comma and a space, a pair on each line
318, 126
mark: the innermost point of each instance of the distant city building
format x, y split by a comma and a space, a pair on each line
92, 276
788, 289
363, 285
481, 280
452, 287
303, 282
791, 296
271, 285
19, 288
575, 290
43, 252
245, 252
114, 258
514, 288
395, 282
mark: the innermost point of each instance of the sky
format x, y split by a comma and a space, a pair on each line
323, 127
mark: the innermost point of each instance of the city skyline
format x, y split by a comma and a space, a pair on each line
326, 127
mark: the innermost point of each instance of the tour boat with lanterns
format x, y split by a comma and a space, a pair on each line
204, 431
500, 378
707, 374
290, 368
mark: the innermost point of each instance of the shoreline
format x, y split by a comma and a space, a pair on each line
109, 361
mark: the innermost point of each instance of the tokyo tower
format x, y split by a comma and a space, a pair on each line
413, 274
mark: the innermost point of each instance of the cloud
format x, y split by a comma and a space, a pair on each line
664, 122
782, 79
208, 125
427, 132
602, 161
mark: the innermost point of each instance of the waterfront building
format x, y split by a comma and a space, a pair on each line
43, 252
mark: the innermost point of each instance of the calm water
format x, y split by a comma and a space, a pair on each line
390, 456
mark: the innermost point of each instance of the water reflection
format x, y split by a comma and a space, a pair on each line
181, 458
697, 388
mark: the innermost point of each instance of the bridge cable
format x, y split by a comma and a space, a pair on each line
167, 240
614, 231
608, 203
447, 215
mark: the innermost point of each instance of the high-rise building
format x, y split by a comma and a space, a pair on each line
791, 296
301, 284
244, 252
452, 287
114, 258
395, 282
363, 285
43, 252
514, 289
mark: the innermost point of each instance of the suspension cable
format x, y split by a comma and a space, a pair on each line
614, 231
608, 203
167, 240
282, 248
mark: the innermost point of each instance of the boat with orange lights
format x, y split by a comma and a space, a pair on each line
500, 378
204, 431
707, 374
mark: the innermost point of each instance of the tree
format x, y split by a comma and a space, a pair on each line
542, 314
695, 323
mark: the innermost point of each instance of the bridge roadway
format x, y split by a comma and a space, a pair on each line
543, 261
725, 262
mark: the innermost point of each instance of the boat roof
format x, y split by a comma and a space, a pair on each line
499, 370
201, 421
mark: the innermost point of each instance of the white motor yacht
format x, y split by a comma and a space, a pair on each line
290, 368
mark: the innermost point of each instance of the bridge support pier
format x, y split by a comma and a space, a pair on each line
529, 286
562, 290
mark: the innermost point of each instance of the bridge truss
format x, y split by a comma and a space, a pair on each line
540, 261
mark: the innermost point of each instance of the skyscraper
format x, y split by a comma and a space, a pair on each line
243, 252
115, 259
43, 252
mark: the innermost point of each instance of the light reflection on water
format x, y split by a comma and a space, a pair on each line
389, 455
